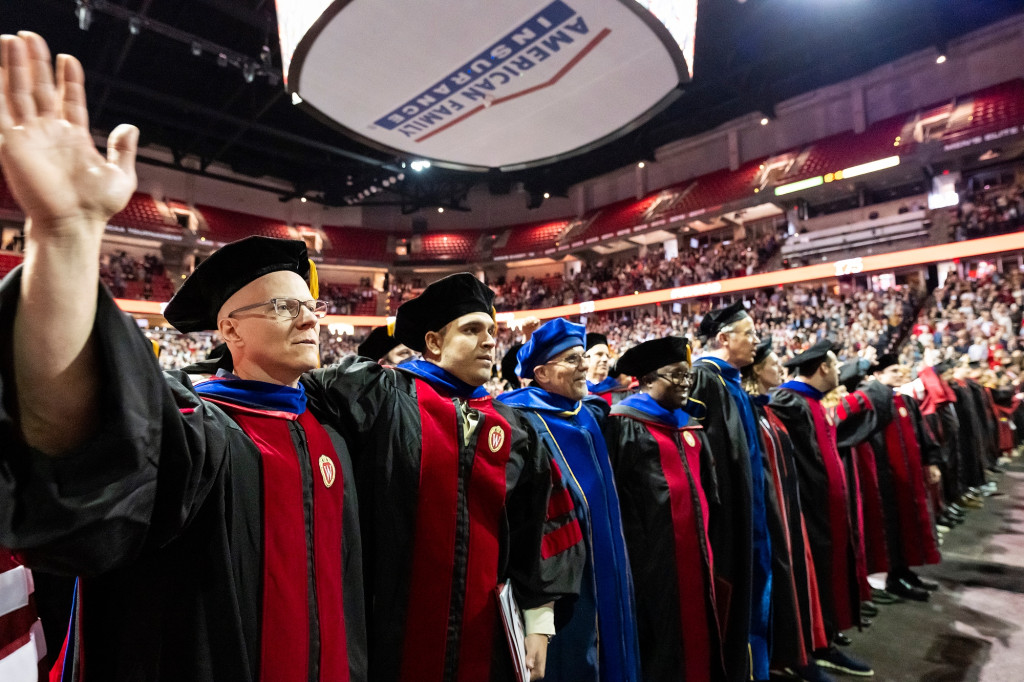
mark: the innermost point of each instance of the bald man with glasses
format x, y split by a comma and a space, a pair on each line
212, 515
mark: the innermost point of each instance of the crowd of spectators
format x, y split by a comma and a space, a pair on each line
621, 276
610, 277
345, 299
979, 318
795, 317
179, 350
118, 268
984, 214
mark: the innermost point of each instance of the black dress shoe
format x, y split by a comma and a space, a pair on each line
918, 581
884, 597
902, 588
833, 659
868, 609
865, 622
842, 640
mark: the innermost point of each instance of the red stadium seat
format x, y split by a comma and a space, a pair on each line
356, 244
447, 246
717, 188
530, 239
6, 200
223, 225
844, 150
9, 261
617, 216
142, 213
994, 109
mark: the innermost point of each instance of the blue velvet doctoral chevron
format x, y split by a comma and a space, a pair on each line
257, 394
607, 384
643, 402
606, 597
803, 389
442, 379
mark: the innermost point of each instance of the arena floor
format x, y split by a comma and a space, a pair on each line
972, 630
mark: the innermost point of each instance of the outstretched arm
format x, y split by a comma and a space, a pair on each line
68, 191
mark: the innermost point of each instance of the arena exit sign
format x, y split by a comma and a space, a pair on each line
479, 85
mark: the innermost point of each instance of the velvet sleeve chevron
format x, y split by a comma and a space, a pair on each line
546, 551
856, 419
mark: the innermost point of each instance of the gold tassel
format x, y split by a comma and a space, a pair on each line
391, 327
314, 281
156, 348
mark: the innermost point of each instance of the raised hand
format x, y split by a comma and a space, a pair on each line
54, 171
530, 325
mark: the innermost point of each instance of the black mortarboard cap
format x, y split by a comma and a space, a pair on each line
443, 301
943, 367
508, 365
651, 355
815, 353
377, 344
852, 373
974, 364
194, 308
594, 339
763, 350
218, 358
716, 319
883, 361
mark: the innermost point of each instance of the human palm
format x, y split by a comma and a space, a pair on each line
47, 155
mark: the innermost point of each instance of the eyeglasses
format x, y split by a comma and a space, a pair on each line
677, 378
288, 307
575, 361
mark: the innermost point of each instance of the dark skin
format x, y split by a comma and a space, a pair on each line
670, 386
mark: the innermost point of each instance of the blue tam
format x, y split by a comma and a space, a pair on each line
548, 341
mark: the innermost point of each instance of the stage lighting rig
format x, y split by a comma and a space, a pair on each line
251, 66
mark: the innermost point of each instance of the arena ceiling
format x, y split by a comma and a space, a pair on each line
201, 78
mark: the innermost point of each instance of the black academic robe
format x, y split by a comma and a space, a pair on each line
902, 448
665, 477
174, 527
989, 426
162, 514
944, 425
857, 421
729, 517
825, 501
444, 522
971, 472
795, 612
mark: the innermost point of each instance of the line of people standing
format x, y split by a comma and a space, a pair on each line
255, 516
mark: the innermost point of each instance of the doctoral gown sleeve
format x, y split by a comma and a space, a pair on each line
626, 440
546, 551
351, 395
708, 480
857, 420
792, 411
156, 452
931, 448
